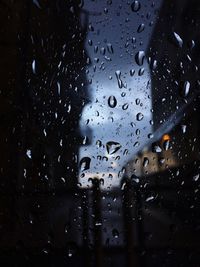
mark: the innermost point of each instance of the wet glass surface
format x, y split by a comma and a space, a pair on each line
100, 146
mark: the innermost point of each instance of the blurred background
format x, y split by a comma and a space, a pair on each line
99, 162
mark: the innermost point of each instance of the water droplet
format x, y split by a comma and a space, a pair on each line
90, 28
90, 42
108, 58
28, 153
85, 140
166, 145
45, 251
135, 6
110, 48
179, 41
115, 233
112, 147
85, 163
123, 94
96, 48
103, 50
45, 133
110, 176
72, 9
162, 161
150, 135
98, 157
101, 181
67, 228
137, 101
112, 102
139, 116
63, 180
139, 58
186, 88
71, 249
155, 64
105, 158
69, 108
148, 199
135, 179
105, 10
123, 185
98, 223
192, 44
81, 3
156, 148
137, 131
136, 144
141, 72
183, 128
118, 75
145, 162
98, 143
125, 152
132, 72
58, 86
125, 106
36, 3
141, 28
33, 67
196, 177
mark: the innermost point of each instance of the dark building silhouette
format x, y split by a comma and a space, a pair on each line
43, 91
166, 201
55, 91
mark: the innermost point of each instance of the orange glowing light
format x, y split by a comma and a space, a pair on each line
166, 137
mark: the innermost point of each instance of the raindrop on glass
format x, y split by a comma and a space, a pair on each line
115, 233
118, 74
141, 72
112, 102
132, 72
178, 39
148, 199
36, 3
28, 153
183, 128
125, 106
85, 163
139, 58
135, 6
139, 116
166, 145
156, 148
110, 48
196, 177
141, 28
145, 162
112, 147
33, 67
186, 88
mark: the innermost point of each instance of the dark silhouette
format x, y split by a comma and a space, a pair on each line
43, 92
167, 231
55, 92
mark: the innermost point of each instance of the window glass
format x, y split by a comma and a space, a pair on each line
100, 129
